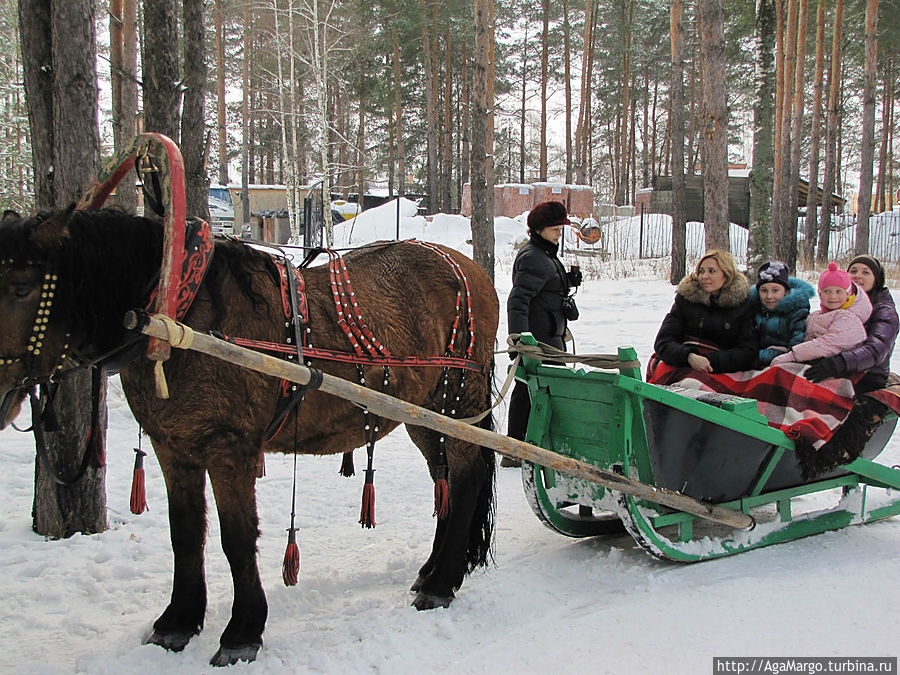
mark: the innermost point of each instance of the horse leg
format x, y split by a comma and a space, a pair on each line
185, 485
462, 539
234, 486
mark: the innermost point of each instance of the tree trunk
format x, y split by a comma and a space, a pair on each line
398, 111
780, 40
811, 230
545, 50
645, 132
761, 175
430, 126
780, 199
123, 110
831, 123
447, 172
160, 67
58, 54
482, 221
715, 127
37, 58
567, 75
221, 119
622, 146
194, 139
582, 130
676, 117
793, 197
888, 94
867, 149
246, 126
524, 99
465, 150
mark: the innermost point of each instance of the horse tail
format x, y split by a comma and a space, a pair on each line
480, 548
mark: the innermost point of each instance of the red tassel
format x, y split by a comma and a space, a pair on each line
290, 569
347, 468
367, 512
138, 492
441, 498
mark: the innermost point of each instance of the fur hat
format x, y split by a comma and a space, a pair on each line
835, 277
774, 272
547, 214
872, 264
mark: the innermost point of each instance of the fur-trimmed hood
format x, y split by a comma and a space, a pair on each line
732, 294
801, 293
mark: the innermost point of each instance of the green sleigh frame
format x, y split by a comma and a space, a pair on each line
724, 453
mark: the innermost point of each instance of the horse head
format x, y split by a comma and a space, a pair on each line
33, 340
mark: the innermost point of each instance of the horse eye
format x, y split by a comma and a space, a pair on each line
21, 291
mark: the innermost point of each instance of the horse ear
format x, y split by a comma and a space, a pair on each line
50, 233
9, 216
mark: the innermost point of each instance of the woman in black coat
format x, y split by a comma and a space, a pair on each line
710, 326
535, 303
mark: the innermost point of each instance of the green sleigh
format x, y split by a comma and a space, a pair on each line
723, 453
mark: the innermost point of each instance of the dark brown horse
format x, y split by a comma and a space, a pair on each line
215, 419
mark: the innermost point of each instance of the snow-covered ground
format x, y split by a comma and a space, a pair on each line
549, 604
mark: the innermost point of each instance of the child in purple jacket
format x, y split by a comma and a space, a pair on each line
838, 325
873, 356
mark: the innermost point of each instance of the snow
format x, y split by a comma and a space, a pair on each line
549, 603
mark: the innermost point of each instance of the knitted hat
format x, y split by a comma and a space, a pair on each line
547, 214
835, 277
872, 264
773, 272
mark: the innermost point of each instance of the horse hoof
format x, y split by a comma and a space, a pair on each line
228, 656
174, 642
430, 601
417, 584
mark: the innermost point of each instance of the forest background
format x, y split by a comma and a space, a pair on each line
381, 95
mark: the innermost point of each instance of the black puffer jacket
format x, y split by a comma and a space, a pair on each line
724, 320
535, 302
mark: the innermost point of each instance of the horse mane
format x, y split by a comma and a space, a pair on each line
238, 261
107, 265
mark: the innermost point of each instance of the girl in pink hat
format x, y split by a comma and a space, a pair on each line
838, 325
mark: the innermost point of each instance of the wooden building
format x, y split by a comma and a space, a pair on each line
658, 199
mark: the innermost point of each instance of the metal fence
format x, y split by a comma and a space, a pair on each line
625, 235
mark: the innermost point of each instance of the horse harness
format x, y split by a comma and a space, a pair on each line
367, 350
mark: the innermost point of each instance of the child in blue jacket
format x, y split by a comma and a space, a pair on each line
782, 305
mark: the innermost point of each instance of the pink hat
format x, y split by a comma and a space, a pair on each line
834, 276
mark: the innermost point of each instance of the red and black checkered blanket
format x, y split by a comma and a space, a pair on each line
803, 410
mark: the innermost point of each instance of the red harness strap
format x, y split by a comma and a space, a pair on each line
464, 286
347, 305
347, 357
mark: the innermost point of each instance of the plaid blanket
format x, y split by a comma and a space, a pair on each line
803, 410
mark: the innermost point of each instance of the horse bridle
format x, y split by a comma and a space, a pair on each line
35, 343
31, 382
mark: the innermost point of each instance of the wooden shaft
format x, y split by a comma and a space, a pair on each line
407, 413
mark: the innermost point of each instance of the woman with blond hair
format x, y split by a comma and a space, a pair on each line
710, 326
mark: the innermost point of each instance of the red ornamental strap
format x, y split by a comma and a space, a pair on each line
363, 359
464, 281
349, 317
302, 305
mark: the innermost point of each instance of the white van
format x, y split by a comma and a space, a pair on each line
221, 211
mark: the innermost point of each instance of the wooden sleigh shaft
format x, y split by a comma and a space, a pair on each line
180, 336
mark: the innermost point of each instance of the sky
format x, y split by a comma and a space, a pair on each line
548, 603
